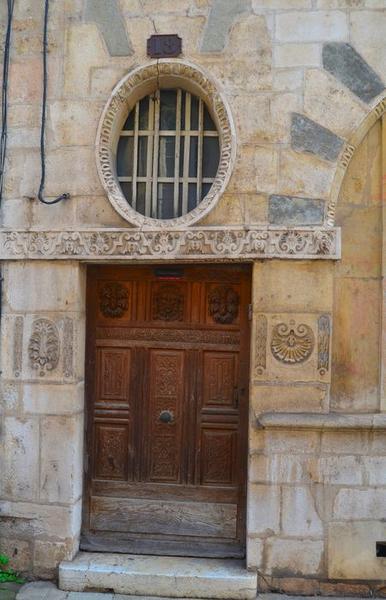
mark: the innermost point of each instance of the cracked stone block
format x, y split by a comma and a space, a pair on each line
291, 210
308, 136
342, 61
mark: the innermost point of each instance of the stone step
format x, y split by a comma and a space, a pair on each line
161, 576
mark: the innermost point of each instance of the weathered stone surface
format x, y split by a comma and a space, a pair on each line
263, 509
20, 464
344, 62
300, 513
151, 575
297, 55
290, 210
221, 17
291, 398
294, 557
309, 26
351, 550
108, 17
308, 136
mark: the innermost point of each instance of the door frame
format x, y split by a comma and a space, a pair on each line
89, 389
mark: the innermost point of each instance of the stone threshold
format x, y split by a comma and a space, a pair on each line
159, 576
330, 421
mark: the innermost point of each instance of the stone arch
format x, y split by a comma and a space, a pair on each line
358, 308
347, 153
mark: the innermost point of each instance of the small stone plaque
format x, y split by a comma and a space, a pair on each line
164, 46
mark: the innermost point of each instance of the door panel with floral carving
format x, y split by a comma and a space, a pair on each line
167, 377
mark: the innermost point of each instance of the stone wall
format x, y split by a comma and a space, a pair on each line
304, 81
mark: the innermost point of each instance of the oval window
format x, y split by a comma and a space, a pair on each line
168, 154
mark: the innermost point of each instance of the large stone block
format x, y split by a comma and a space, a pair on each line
345, 442
74, 123
18, 552
300, 512
310, 26
61, 470
301, 286
40, 520
263, 509
222, 15
353, 504
308, 136
52, 399
44, 286
352, 550
20, 463
330, 104
290, 398
341, 470
342, 61
286, 558
289, 210
283, 468
355, 358
297, 55
108, 17
292, 442
367, 35
304, 175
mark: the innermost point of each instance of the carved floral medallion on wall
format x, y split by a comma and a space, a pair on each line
292, 344
44, 346
223, 304
168, 303
114, 300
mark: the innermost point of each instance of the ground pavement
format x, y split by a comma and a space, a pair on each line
48, 591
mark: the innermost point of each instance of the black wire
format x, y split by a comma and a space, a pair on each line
4, 95
64, 196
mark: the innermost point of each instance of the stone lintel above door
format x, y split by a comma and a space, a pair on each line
193, 244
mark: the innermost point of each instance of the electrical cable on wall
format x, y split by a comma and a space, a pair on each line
64, 196
4, 95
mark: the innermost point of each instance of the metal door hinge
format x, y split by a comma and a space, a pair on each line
250, 312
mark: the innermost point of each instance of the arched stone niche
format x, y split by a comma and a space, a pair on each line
357, 312
143, 81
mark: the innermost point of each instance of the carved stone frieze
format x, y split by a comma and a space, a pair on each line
291, 343
261, 344
223, 304
193, 244
324, 333
44, 346
114, 300
168, 303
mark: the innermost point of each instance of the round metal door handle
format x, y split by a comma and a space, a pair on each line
166, 416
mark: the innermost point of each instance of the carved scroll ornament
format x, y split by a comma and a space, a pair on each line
291, 344
44, 346
205, 243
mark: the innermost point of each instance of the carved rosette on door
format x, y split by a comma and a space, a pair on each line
167, 410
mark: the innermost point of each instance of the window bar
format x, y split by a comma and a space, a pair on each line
177, 154
199, 149
186, 155
155, 155
149, 158
135, 157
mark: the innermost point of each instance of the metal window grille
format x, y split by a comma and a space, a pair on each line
168, 154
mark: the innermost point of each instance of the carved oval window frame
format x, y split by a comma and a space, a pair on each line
143, 81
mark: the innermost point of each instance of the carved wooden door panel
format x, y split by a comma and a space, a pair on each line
167, 378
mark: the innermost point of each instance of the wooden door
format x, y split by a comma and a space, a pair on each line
167, 379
